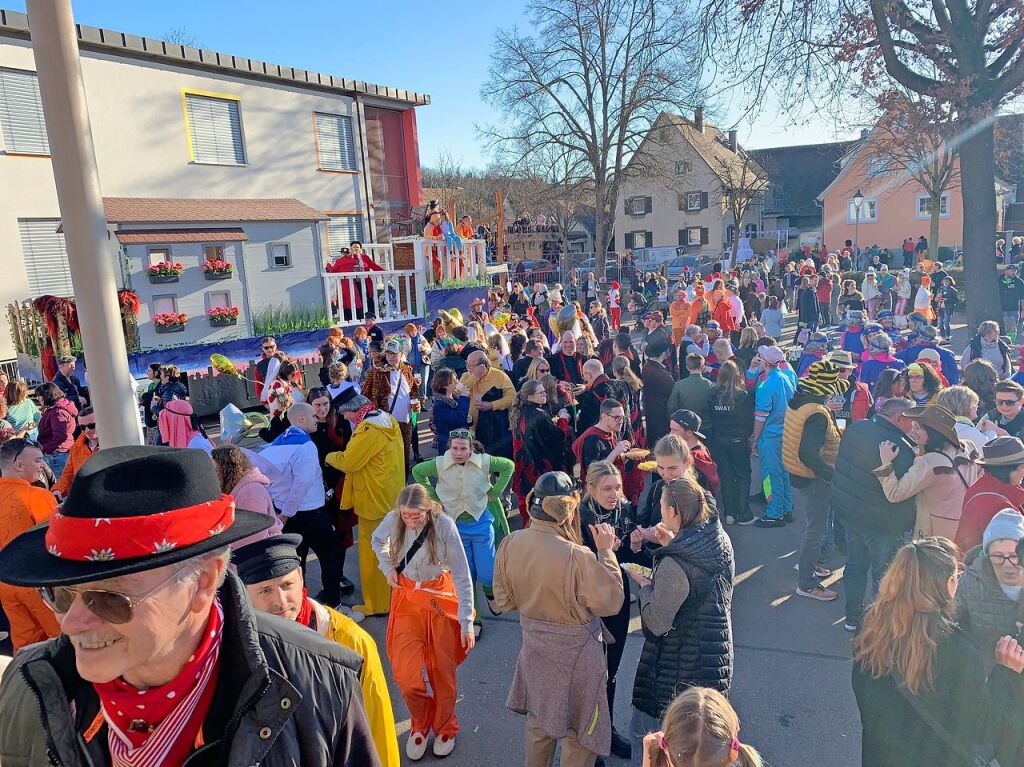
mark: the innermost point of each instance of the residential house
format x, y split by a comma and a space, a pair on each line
175, 122
894, 205
797, 174
675, 191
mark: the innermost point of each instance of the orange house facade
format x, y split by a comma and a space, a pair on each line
894, 208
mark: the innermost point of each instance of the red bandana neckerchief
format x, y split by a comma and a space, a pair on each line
361, 414
305, 611
159, 727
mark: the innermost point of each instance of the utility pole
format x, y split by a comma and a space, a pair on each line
59, 68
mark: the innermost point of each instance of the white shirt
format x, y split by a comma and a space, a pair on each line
401, 407
613, 299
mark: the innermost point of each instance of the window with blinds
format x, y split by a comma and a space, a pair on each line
335, 143
214, 130
46, 258
21, 113
341, 230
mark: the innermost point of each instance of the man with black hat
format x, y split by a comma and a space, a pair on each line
810, 444
271, 570
162, 658
657, 386
561, 590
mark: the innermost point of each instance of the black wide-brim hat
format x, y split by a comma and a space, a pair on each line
129, 482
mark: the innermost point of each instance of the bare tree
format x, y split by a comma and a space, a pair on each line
181, 36
918, 139
970, 55
742, 182
587, 84
444, 177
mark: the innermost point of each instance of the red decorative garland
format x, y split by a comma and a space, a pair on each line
99, 539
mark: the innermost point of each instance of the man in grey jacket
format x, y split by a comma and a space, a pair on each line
161, 654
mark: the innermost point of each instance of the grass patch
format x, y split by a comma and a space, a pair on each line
282, 318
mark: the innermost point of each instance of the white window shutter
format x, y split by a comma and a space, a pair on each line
341, 230
336, 146
46, 257
21, 113
215, 127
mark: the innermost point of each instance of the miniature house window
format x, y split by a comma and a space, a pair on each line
213, 252
167, 304
158, 256
216, 298
280, 255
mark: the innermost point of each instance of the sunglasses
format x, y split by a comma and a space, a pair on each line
88, 426
460, 434
1007, 402
269, 348
110, 606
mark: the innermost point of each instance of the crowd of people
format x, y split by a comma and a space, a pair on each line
578, 461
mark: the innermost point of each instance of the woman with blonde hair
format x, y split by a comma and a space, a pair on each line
431, 620
498, 354
539, 368
699, 729
917, 676
962, 402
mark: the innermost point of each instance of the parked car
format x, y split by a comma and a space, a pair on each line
695, 265
612, 271
537, 270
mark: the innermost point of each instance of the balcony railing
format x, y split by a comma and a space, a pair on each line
391, 295
439, 265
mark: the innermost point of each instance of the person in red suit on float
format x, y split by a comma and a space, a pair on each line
355, 260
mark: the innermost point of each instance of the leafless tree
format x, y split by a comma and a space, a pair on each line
586, 84
181, 36
969, 55
742, 182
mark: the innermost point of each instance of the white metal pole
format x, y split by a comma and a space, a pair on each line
55, 46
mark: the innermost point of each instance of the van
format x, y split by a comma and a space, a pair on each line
651, 259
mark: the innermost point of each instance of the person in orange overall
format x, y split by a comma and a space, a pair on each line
465, 228
679, 311
431, 620
432, 231
88, 442
23, 505
700, 306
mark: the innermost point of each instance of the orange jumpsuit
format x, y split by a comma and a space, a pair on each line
679, 311
23, 506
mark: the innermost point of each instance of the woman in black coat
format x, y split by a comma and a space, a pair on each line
919, 679
807, 308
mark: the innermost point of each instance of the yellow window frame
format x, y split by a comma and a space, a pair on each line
185, 92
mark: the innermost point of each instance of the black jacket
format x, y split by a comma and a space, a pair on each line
807, 307
857, 496
590, 403
285, 696
895, 734
697, 650
519, 369
658, 385
731, 421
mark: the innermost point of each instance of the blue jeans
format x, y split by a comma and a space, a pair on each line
478, 542
864, 552
777, 490
640, 726
56, 462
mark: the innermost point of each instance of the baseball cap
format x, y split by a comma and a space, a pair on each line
688, 420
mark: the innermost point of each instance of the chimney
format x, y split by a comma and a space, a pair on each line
698, 118
733, 144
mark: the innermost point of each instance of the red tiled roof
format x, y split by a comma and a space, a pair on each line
160, 236
143, 210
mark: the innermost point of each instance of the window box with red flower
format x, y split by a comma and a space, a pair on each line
170, 322
217, 270
222, 316
165, 271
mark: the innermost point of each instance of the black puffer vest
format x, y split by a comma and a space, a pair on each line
697, 651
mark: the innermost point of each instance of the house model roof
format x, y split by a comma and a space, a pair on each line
164, 210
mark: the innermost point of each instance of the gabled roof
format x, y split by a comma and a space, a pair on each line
711, 144
164, 210
124, 44
168, 236
798, 174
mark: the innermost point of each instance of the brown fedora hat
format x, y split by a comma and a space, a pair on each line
1002, 451
937, 418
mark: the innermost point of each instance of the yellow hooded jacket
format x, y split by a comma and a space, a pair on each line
374, 466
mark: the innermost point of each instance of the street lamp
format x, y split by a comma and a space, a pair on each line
858, 200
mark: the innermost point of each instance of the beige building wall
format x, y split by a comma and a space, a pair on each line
675, 170
142, 149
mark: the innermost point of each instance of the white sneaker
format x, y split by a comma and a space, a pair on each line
416, 746
730, 519
443, 746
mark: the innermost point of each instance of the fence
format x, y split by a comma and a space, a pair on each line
442, 266
392, 294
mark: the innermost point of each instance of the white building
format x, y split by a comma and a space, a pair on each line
170, 121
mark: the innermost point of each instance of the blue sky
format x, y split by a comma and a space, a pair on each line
400, 43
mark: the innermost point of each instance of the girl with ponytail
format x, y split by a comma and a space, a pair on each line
918, 678
699, 729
